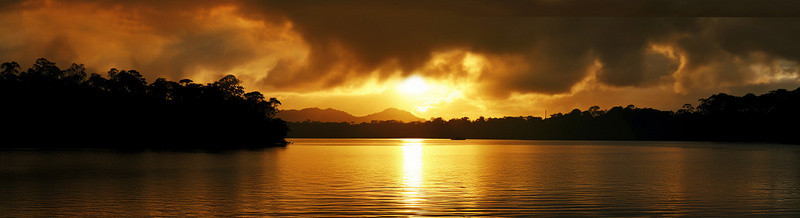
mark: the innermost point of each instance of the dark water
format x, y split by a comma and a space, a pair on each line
411, 177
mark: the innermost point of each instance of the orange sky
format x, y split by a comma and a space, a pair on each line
436, 59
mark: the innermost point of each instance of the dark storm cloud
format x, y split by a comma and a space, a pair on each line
775, 36
558, 49
160, 38
544, 46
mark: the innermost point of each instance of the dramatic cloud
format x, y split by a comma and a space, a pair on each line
488, 57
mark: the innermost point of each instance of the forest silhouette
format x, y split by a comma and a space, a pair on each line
771, 117
48, 107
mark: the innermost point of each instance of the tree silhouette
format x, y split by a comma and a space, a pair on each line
47, 107
771, 117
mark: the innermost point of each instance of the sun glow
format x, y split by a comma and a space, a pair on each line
413, 85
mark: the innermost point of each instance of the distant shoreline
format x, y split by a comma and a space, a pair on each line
570, 140
771, 117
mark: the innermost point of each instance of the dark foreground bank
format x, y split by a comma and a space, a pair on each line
49, 107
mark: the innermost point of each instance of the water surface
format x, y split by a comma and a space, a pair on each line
410, 177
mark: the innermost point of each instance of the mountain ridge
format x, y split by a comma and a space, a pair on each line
334, 115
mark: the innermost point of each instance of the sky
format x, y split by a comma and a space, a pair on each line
443, 58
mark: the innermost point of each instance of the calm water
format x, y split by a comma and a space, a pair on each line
411, 177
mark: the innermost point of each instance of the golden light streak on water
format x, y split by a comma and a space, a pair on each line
412, 171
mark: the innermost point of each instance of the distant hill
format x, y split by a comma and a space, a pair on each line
391, 114
333, 115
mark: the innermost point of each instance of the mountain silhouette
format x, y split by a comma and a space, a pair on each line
392, 114
333, 115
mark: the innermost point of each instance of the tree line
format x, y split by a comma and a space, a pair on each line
771, 117
45, 106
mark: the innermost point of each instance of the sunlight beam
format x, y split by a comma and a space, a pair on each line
412, 171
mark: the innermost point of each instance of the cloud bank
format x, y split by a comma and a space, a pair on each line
497, 51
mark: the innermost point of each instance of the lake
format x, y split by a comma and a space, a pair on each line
352, 177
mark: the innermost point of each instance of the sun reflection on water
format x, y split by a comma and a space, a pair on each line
412, 171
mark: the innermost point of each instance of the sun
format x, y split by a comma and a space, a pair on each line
413, 85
